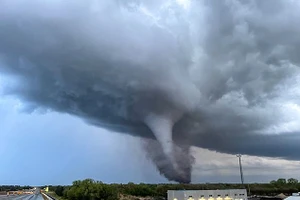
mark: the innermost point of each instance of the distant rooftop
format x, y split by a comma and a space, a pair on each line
295, 196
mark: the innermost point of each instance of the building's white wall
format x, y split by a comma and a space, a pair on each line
236, 194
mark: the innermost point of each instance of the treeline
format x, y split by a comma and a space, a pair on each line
94, 190
87, 189
13, 187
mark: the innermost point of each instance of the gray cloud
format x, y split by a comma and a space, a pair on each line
218, 75
220, 167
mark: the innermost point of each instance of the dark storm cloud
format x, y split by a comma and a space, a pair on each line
220, 74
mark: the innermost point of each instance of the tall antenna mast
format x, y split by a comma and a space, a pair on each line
241, 168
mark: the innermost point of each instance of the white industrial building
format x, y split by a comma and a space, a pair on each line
234, 194
295, 196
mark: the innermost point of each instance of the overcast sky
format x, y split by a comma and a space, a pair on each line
55, 148
122, 91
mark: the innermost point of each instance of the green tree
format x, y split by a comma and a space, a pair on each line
281, 181
59, 190
89, 189
292, 181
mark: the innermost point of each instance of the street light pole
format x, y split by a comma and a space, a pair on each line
241, 168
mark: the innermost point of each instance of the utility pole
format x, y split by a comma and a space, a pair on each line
241, 168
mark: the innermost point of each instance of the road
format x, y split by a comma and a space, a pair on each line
22, 197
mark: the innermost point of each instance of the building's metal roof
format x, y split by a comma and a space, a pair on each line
293, 198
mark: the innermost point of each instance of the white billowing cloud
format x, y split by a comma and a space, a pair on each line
184, 3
